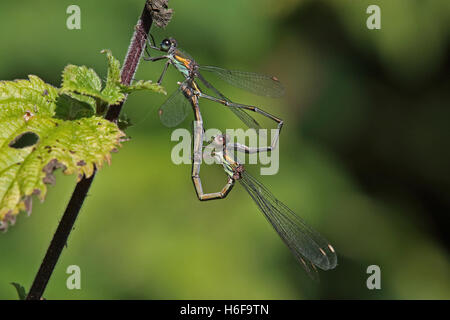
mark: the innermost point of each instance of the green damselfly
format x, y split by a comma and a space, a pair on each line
309, 247
172, 112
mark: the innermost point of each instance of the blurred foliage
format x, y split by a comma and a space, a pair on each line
364, 153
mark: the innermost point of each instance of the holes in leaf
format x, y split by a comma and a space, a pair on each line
26, 139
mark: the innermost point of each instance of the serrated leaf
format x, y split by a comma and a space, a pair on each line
112, 87
143, 85
20, 290
77, 146
32, 95
85, 81
81, 79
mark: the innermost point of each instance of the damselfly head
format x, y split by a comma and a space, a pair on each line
167, 44
220, 140
237, 171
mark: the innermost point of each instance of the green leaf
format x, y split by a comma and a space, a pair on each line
72, 107
85, 81
143, 85
81, 79
20, 290
69, 137
43, 128
112, 88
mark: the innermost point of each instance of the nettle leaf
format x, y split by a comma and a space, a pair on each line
43, 128
143, 85
112, 88
41, 131
85, 81
73, 106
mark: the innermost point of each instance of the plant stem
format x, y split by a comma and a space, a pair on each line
79, 195
132, 59
60, 238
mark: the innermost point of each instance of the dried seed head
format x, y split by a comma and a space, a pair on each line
160, 12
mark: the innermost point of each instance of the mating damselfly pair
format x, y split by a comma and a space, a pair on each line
308, 246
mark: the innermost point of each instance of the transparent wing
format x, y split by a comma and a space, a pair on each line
247, 119
174, 110
307, 245
259, 84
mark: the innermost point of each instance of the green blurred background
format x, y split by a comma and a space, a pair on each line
364, 153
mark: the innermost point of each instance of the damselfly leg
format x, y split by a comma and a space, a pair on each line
250, 108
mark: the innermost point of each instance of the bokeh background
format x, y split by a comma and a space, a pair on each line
364, 153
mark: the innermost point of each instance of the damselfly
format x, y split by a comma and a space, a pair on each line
190, 96
172, 112
308, 246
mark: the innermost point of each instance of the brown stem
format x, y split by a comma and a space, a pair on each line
79, 195
132, 59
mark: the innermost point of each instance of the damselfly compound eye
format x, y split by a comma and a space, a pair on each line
165, 45
218, 140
